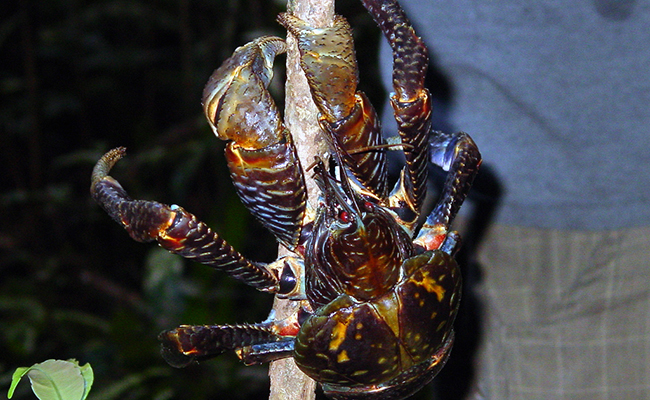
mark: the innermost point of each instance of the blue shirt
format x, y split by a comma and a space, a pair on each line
557, 97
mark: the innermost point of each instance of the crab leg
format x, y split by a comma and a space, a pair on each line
458, 154
261, 156
411, 101
329, 62
189, 343
254, 343
173, 228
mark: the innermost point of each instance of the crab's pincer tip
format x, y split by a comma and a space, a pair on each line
105, 163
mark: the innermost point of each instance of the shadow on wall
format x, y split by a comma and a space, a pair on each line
455, 380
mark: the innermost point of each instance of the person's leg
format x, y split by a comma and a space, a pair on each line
567, 315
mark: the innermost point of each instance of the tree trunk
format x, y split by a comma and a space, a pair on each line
301, 117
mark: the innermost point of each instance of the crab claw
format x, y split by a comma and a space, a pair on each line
330, 65
174, 229
236, 101
261, 156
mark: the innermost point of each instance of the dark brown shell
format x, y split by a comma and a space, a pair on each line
366, 344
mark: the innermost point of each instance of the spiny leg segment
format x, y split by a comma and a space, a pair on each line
456, 153
173, 228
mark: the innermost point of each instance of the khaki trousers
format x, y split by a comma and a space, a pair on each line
567, 315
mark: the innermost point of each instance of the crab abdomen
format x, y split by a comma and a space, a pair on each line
374, 345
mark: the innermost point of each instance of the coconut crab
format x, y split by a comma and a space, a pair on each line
380, 292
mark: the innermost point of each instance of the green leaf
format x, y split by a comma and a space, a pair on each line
89, 377
56, 380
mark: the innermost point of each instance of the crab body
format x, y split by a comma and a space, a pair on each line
379, 295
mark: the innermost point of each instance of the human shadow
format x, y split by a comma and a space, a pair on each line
455, 380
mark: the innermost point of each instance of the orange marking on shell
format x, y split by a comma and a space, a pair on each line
338, 333
342, 357
432, 286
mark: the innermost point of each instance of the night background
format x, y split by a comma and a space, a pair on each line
78, 78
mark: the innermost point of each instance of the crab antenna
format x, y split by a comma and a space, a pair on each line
329, 188
344, 178
338, 152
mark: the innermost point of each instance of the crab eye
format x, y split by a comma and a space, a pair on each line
368, 206
344, 217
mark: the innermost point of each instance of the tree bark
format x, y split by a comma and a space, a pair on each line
301, 118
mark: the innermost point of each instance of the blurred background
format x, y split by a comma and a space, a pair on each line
79, 77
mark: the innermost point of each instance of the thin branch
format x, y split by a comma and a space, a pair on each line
301, 117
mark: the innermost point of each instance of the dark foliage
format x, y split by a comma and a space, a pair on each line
78, 78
